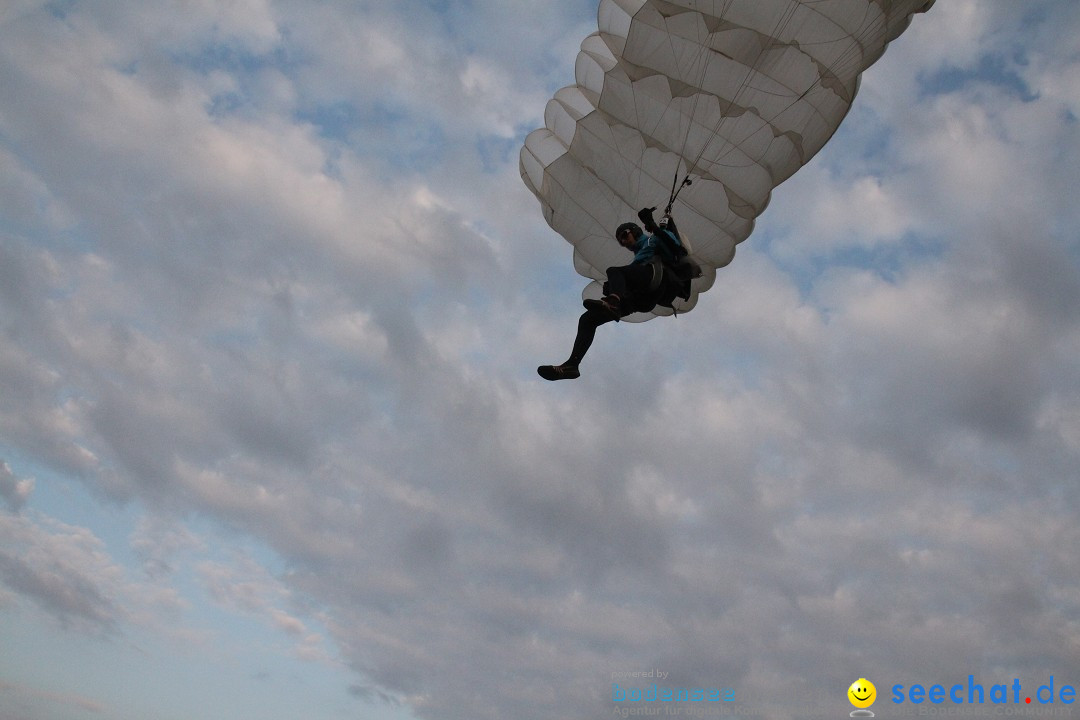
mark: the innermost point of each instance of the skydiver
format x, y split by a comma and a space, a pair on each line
637, 287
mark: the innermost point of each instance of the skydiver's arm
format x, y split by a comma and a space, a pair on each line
668, 223
645, 215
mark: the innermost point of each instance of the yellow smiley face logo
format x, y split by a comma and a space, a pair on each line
862, 693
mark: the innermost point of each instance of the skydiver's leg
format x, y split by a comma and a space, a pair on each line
626, 281
586, 331
587, 324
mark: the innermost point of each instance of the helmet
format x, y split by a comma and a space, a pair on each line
632, 227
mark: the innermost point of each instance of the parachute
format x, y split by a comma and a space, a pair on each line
707, 103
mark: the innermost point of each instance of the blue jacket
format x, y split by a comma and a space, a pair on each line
648, 246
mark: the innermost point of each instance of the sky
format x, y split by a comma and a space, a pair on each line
272, 442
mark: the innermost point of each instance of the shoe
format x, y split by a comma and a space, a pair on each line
608, 306
558, 372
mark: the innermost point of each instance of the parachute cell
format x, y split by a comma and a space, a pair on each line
735, 95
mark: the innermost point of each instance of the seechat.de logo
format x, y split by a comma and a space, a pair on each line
862, 695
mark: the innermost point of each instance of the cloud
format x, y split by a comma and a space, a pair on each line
14, 490
158, 543
273, 270
25, 700
64, 570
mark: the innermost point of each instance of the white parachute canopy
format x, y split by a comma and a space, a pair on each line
735, 95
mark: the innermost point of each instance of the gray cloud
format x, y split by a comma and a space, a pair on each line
14, 490
64, 572
855, 457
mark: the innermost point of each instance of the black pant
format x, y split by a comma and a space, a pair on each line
629, 281
631, 284
586, 331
